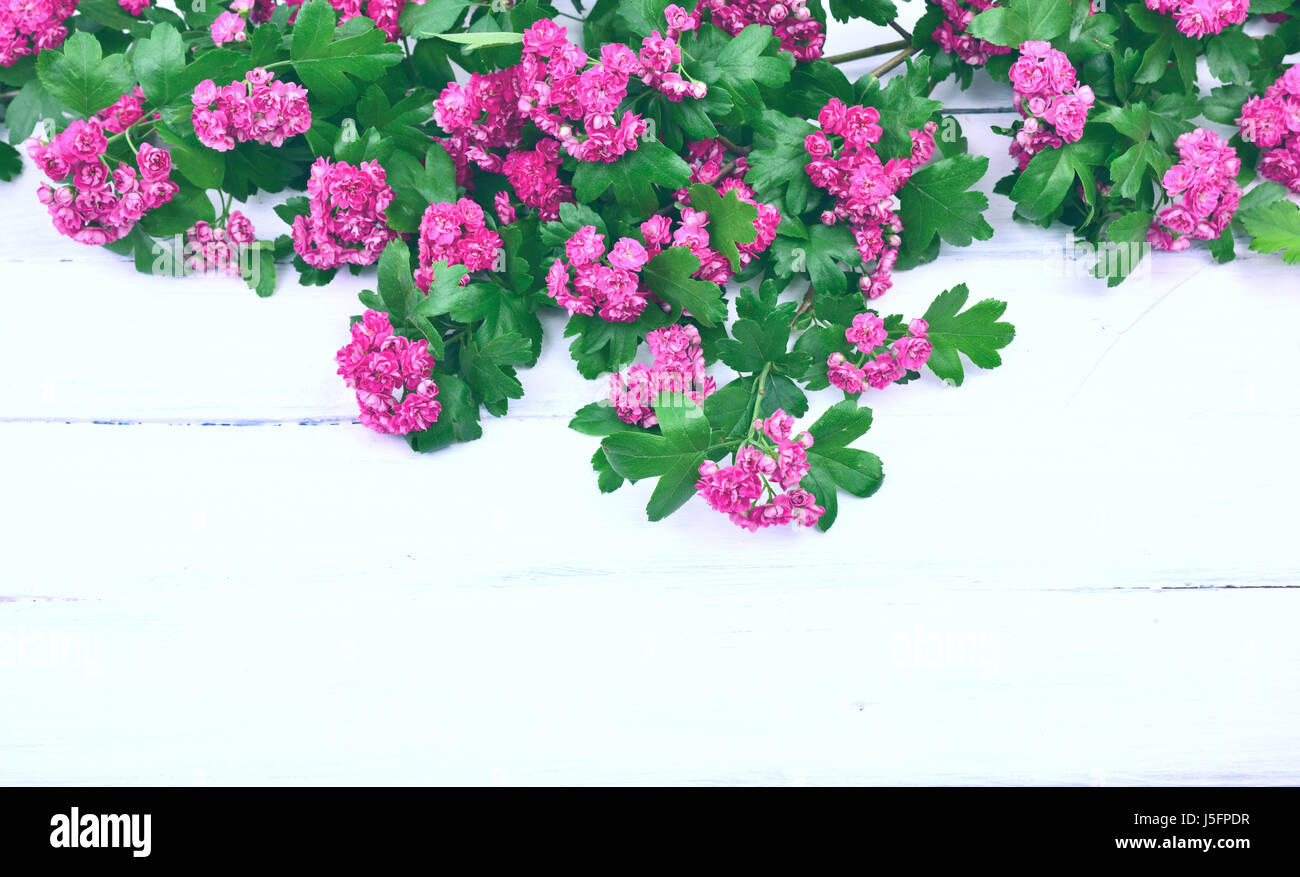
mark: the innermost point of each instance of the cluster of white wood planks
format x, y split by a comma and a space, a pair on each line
1082, 567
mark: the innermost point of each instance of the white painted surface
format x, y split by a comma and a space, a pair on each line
1081, 568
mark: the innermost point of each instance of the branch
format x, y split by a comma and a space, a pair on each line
866, 53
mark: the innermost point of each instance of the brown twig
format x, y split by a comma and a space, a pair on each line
893, 62
901, 31
871, 51
804, 307
734, 147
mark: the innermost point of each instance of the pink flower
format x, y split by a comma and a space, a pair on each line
844, 374
912, 352
228, 28
455, 234
867, 332
585, 247
392, 376
884, 370
345, 224
258, 109
628, 254
96, 207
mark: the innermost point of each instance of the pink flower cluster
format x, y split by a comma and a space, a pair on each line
123, 112
393, 376
1272, 122
761, 489
96, 206
1048, 94
228, 27
135, 7
218, 249
534, 175
604, 283
346, 223
1205, 183
951, 34
863, 186
792, 21
259, 107
27, 27
1197, 18
878, 370
455, 234
573, 105
692, 232
678, 367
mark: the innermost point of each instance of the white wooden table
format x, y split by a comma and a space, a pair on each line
1081, 569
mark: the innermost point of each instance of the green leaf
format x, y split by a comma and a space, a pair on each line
606, 478
675, 487
746, 61
396, 283
904, 105
1133, 121
682, 422
416, 185
936, 201
325, 64
11, 163
877, 11
821, 483
1022, 20
1275, 227
202, 167
432, 18
841, 425
159, 62
638, 455
482, 39
1230, 55
259, 273
488, 369
1130, 227
1129, 169
974, 332
854, 471
819, 256
1223, 104
731, 221
633, 177
599, 419
776, 163
669, 276
572, 217
674, 455
1042, 186
80, 77
32, 105
458, 421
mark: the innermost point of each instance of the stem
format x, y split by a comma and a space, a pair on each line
901, 31
758, 396
893, 62
8, 95
871, 51
741, 150
804, 307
